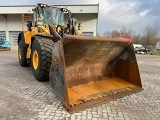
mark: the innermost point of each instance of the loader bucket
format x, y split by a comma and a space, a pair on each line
86, 71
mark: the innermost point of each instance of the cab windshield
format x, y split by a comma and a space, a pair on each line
52, 16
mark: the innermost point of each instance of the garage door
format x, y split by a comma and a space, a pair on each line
14, 39
3, 35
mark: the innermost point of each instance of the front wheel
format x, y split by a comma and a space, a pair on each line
41, 56
22, 51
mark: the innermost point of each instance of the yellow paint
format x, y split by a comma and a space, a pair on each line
27, 35
79, 32
59, 29
19, 53
35, 30
28, 52
46, 31
35, 59
98, 89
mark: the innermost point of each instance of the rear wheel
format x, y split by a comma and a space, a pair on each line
22, 51
41, 56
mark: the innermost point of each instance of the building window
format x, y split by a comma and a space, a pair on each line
3, 35
87, 33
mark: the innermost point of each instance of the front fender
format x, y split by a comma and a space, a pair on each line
22, 38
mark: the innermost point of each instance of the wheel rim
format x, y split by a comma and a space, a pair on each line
20, 53
35, 59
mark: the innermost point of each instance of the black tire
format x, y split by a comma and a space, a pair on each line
43, 47
22, 51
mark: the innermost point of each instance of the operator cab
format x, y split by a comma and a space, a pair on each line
53, 17
44, 14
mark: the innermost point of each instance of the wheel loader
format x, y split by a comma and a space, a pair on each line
83, 71
36, 43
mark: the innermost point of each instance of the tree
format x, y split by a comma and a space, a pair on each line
150, 36
118, 33
111, 34
124, 32
137, 39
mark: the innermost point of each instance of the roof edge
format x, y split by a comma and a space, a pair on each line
50, 5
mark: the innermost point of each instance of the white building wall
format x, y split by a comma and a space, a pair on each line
89, 22
14, 23
2, 23
10, 23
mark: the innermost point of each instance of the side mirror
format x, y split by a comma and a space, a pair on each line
29, 25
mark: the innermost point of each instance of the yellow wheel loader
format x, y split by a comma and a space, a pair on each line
83, 71
36, 43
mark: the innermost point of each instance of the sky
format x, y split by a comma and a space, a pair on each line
113, 14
